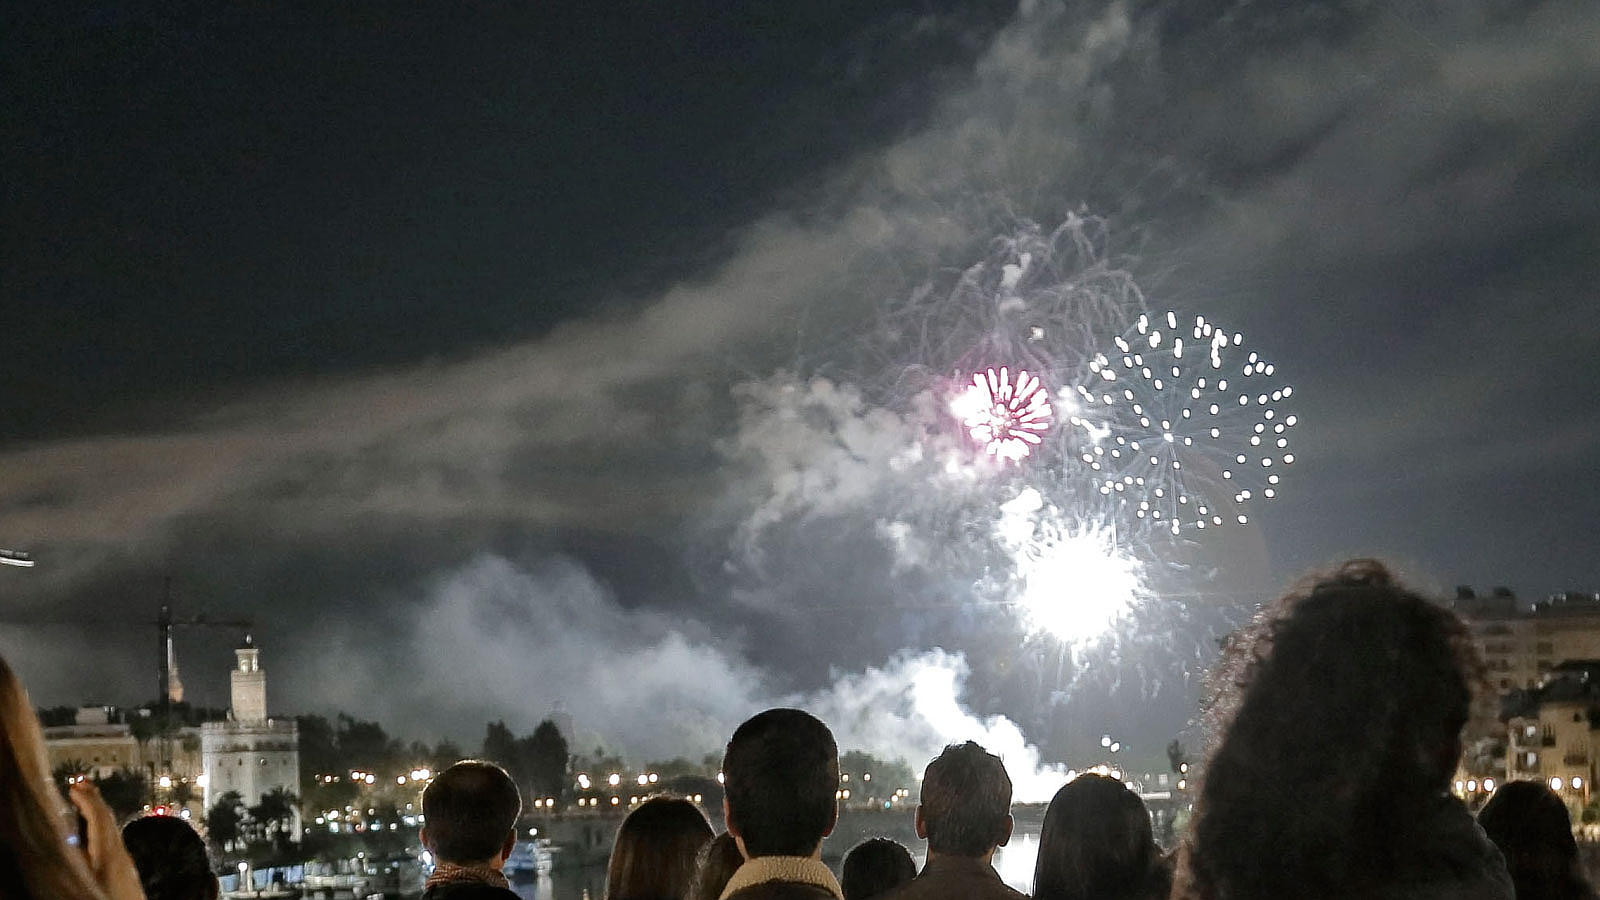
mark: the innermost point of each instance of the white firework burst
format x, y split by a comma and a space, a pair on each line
1184, 425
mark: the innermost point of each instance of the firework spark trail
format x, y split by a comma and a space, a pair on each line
1043, 301
1038, 308
991, 434
1185, 435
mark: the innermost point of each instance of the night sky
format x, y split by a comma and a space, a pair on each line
415, 333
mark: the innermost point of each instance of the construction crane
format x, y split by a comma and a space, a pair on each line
165, 622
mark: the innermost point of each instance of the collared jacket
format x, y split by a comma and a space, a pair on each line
782, 878
467, 890
956, 878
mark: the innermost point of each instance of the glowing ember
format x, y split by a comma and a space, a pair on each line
1008, 418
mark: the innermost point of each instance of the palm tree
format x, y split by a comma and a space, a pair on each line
224, 820
125, 791
69, 768
275, 814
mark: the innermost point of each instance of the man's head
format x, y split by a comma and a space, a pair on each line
782, 779
171, 859
966, 802
471, 812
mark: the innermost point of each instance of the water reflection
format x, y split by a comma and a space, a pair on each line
1015, 861
564, 884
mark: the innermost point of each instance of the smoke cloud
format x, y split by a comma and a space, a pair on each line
495, 641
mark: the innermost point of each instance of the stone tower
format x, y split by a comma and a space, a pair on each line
249, 685
250, 753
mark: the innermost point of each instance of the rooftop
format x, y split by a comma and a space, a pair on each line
1503, 603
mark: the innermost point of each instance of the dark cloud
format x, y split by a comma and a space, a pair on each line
208, 198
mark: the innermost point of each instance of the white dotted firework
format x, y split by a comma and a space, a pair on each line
1183, 425
1006, 417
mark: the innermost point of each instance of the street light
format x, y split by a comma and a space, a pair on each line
16, 558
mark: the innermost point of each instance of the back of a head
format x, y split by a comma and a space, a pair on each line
781, 774
717, 862
656, 850
171, 859
34, 859
874, 867
470, 810
966, 801
1533, 830
1096, 843
1387, 677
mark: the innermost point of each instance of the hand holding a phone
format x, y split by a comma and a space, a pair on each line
109, 861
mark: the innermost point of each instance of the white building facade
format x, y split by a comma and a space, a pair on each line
250, 753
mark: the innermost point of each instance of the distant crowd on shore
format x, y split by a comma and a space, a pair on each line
1337, 718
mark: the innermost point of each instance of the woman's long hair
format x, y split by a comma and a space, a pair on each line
1339, 713
1097, 843
656, 849
1533, 830
35, 862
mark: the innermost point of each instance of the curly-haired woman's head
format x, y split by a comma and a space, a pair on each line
1097, 843
171, 859
1338, 715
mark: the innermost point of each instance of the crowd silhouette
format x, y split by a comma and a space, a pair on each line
1336, 718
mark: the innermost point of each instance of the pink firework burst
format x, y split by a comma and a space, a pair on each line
1007, 417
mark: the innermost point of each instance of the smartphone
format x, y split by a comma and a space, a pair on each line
79, 835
